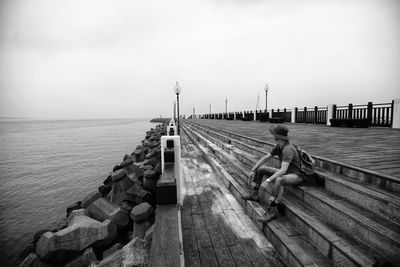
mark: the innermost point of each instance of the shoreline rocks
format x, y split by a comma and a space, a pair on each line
98, 226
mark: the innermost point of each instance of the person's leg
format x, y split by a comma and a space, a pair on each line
258, 177
272, 211
287, 179
261, 172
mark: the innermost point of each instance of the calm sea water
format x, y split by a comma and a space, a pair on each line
47, 165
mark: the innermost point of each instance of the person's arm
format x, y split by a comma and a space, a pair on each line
261, 162
280, 172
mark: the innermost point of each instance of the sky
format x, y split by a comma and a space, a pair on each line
81, 59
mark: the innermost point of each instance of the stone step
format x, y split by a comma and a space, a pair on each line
294, 248
380, 180
342, 250
236, 167
357, 222
381, 202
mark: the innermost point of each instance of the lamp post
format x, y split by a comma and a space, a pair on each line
210, 111
177, 90
226, 107
266, 97
174, 110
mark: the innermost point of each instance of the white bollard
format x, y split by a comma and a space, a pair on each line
293, 120
171, 128
329, 114
169, 186
396, 113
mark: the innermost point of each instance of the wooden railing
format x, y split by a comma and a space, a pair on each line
317, 115
380, 115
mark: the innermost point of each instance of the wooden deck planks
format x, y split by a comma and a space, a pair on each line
214, 225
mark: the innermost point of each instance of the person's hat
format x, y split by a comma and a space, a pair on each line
280, 132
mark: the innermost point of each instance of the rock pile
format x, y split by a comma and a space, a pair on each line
111, 226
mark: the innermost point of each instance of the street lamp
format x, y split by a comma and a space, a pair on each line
226, 107
177, 90
266, 96
174, 111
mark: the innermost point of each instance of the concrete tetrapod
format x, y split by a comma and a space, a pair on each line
102, 209
82, 232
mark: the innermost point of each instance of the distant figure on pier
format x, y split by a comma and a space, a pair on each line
288, 174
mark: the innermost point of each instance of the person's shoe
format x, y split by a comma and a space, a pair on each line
269, 215
252, 196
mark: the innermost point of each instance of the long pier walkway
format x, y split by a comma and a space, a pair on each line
375, 149
216, 231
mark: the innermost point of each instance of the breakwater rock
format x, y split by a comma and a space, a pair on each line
113, 225
161, 120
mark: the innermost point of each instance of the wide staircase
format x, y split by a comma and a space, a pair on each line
333, 220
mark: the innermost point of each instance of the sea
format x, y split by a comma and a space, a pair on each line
47, 165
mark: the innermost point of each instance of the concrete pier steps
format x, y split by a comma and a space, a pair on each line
347, 222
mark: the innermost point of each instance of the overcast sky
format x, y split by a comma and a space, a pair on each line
117, 59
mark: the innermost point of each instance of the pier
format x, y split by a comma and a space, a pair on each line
350, 215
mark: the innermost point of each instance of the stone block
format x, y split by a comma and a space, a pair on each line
89, 199
150, 180
104, 190
116, 168
154, 161
144, 162
83, 260
108, 179
157, 168
135, 253
112, 250
118, 175
145, 143
149, 234
138, 194
119, 190
139, 155
134, 172
82, 232
146, 168
141, 212
150, 184
76, 206
126, 163
140, 229
101, 210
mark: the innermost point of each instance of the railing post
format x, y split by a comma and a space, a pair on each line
391, 114
334, 107
350, 114
284, 114
272, 112
396, 113
305, 115
369, 112
315, 115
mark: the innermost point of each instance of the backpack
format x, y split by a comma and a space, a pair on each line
307, 163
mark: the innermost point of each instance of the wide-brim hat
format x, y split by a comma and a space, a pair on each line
280, 132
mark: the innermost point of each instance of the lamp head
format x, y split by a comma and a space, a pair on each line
266, 87
177, 89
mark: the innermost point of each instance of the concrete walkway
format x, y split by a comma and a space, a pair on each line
376, 149
216, 230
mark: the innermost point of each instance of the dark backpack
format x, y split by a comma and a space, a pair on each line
307, 163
